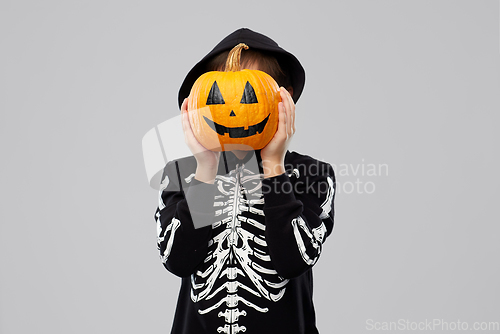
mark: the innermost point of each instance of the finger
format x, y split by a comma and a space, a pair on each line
184, 105
184, 117
290, 98
292, 114
281, 119
284, 98
291, 104
189, 137
288, 108
186, 124
183, 109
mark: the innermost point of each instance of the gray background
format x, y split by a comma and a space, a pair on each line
410, 84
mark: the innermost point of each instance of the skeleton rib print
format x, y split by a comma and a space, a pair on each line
238, 265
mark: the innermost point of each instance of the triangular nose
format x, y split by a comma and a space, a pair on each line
232, 113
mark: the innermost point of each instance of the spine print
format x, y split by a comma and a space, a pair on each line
238, 264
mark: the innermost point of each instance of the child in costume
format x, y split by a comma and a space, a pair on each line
243, 229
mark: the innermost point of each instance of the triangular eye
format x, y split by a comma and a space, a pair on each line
215, 97
249, 95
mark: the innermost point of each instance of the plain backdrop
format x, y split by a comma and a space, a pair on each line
408, 86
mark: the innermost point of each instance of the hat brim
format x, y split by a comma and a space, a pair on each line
256, 41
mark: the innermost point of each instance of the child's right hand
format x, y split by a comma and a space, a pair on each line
208, 161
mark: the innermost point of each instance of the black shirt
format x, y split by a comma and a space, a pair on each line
246, 248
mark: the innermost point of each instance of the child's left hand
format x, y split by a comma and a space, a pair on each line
273, 155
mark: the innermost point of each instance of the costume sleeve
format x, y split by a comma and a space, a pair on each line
183, 247
299, 215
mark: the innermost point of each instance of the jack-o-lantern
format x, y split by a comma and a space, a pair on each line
235, 109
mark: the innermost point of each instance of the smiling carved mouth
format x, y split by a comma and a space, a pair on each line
237, 132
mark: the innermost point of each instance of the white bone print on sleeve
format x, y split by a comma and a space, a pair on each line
315, 236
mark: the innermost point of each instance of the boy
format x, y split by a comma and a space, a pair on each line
245, 255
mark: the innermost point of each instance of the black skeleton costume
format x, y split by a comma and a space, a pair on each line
248, 267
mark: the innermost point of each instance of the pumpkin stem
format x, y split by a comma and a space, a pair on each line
233, 59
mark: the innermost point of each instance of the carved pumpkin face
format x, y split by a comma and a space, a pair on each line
234, 110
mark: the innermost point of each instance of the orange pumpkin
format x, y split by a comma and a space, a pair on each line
235, 109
